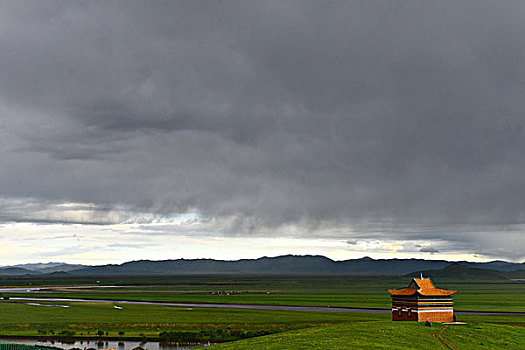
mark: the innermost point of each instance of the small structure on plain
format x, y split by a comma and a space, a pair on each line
421, 301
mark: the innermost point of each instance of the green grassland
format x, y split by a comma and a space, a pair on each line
151, 284
465, 300
86, 319
389, 335
22, 319
288, 329
336, 291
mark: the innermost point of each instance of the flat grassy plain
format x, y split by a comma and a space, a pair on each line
138, 320
507, 301
359, 292
294, 328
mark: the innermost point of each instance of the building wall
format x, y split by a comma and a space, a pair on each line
404, 316
422, 308
438, 316
414, 315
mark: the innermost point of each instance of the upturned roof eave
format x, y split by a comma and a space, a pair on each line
410, 292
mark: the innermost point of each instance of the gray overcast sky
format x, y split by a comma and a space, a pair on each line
393, 128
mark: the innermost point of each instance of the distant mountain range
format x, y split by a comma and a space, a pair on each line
39, 268
280, 265
12, 271
463, 272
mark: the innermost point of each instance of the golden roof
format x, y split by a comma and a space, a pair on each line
423, 286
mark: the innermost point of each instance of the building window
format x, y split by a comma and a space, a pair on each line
399, 312
409, 313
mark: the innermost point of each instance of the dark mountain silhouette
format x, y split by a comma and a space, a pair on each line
50, 267
518, 274
58, 274
461, 271
495, 265
281, 265
61, 268
12, 271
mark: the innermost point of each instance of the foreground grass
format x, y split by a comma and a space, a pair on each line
388, 335
486, 336
364, 335
147, 321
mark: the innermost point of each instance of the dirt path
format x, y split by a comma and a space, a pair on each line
445, 343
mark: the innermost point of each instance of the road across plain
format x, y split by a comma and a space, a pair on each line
246, 306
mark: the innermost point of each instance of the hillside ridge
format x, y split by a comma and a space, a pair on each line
278, 265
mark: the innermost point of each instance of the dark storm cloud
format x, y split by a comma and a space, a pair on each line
431, 250
371, 114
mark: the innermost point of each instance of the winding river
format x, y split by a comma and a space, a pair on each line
212, 305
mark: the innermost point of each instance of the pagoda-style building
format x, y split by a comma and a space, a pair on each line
421, 301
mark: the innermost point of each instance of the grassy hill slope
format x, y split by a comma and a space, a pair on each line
460, 271
358, 335
486, 336
388, 335
280, 265
10, 271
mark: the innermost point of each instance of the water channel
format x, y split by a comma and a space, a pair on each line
109, 344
